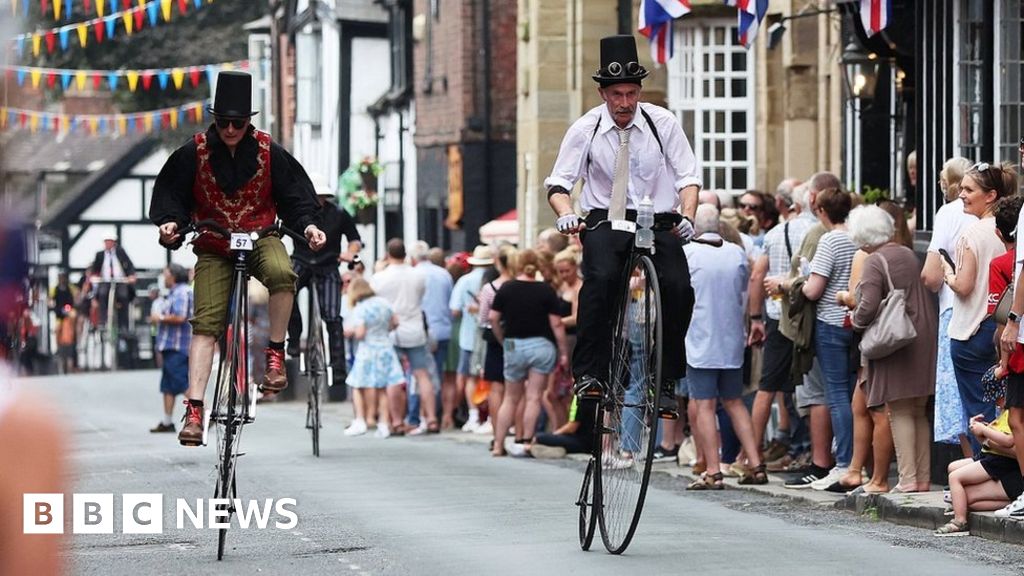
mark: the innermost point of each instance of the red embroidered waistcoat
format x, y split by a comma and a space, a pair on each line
251, 208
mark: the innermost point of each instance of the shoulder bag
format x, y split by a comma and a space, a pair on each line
892, 328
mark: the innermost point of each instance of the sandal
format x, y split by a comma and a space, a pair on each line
708, 482
433, 428
756, 476
953, 528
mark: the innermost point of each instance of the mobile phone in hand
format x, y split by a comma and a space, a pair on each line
949, 259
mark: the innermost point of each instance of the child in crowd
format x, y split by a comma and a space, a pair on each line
376, 365
991, 481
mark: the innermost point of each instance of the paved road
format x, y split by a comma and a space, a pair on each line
438, 506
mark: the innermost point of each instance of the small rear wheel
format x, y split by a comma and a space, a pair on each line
587, 515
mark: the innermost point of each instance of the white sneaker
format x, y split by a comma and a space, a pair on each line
1014, 509
484, 428
356, 428
513, 449
833, 476
421, 429
617, 462
382, 431
470, 426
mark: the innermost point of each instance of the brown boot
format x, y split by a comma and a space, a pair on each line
276, 378
192, 432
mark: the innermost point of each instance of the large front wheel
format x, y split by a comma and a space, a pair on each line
628, 416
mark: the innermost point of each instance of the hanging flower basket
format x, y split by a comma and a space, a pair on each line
358, 189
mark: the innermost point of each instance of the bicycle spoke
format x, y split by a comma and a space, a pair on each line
629, 409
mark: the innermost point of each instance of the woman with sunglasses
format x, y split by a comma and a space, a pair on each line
240, 178
970, 329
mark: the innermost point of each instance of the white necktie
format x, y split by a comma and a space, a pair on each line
620, 178
108, 266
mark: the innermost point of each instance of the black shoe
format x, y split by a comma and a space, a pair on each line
293, 349
668, 409
816, 473
588, 388
161, 427
662, 454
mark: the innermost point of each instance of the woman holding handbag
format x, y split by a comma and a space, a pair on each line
901, 381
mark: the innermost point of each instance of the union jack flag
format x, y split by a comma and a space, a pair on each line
750, 13
874, 15
656, 17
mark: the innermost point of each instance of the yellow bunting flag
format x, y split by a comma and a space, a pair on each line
3, 118
129, 21
56, 9
165, 5
227, 66
174, 119
80, 78
133, 79
36, 75
37, 41
179, 77
100, 7
33, 122
83, 34
122, 125
94, 124
142, 3
148, 121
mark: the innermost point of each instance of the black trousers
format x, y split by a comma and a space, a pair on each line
329, 291
604, 260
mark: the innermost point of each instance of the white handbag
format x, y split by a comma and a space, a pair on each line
892, 328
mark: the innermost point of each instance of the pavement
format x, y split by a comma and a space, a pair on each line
921, 510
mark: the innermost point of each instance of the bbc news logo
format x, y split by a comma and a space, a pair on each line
144, 513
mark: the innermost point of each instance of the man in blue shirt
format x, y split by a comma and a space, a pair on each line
439, 325
464, 305
173, 337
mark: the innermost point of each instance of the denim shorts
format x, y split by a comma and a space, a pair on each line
711, 383
465, 367
417, 356
523, 355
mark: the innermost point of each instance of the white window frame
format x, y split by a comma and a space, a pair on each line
685, 94
308, 78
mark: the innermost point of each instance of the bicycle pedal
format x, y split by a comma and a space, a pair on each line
606, 430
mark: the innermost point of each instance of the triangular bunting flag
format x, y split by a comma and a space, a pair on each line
211, 75
63, 36
162, 79
148, 121
44, 6
122, 125
128, 22
97, 79
99, 7
80, 80
51, 80
56, 9
182, 6
37, 43
33, 123
65, 80
140, 16
179, 77
131, 124
147, 80
21, 77
165, 6
193, 77
36, 75
94, 124
111, 23
83, 34
133, 79
174, 119
152, 9
112, 79
97, 28
51, 41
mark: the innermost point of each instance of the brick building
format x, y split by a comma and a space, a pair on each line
464, 62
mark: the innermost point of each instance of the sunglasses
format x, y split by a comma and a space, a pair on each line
237, 123
618, 69
755, 207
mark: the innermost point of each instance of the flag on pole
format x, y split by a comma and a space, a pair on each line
874, 15
656, 17
750, 13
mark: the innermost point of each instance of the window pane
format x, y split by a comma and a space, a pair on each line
739, 61
739, 178
739, 150
688, 123
720, 149
739, 87
720, 122
719, 62
739, 122
719, 177
719, 88
720, 36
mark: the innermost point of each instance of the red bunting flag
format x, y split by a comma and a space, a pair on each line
147, 80
44, 5
126, 4
182, 6
88, 6
97, 80
193, 77
23, 119
51, 80
51, 41
98, 30
140, 18
56, 123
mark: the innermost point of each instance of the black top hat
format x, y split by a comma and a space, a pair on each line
234, 95
619, 62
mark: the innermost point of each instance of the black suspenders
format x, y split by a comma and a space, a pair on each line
647, 117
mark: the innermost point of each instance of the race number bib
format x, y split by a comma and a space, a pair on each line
241, 242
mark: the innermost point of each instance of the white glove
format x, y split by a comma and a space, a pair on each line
569, 224
684, 230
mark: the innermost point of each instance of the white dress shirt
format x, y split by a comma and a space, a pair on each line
650, 171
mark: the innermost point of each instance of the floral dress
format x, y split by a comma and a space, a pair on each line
376, 365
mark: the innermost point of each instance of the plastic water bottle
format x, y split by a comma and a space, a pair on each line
645, 223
